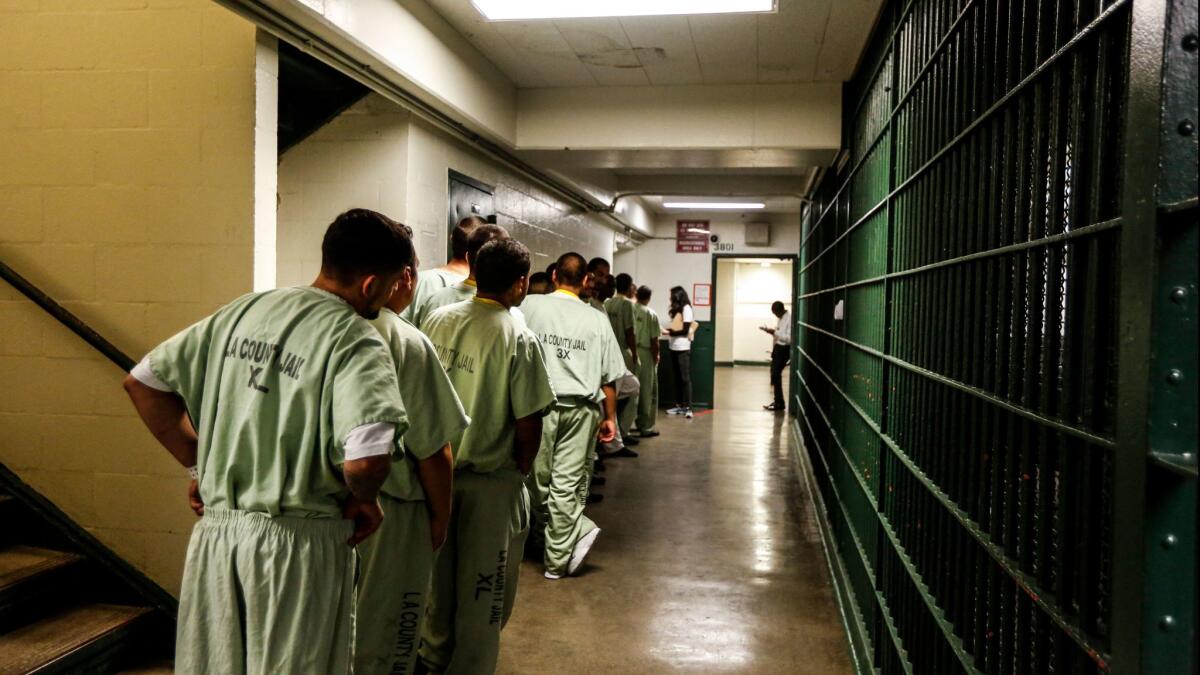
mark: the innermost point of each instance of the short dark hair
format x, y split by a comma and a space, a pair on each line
595, 263
624, 281
499, 264
461, 234
777, 305
362, 242
540, 283
551, 267
604, 288
643, 293
571, 268
482, 235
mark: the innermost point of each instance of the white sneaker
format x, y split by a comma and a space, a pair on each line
551, 575
581, 550
675, 411
688, 414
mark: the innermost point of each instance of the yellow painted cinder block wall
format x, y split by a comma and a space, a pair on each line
126, 193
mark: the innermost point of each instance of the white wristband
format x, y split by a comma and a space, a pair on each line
193, 473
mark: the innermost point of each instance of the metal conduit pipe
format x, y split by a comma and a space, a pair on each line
289, 31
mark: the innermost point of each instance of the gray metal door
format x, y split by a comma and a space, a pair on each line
468, 197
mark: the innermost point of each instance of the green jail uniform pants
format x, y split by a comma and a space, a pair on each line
647, 373
470, 587
522, 524
561, 476
393, 585
627, 406
266, 595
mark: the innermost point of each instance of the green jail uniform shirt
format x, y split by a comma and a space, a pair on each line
459, 292
428, 283
646, 326
581, 353
596, 305
499, 373
434, 412
274, 382
620, 315
463, 290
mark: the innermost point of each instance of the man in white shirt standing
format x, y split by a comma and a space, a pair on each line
781, 353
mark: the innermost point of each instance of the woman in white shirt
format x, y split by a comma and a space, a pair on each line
682, 321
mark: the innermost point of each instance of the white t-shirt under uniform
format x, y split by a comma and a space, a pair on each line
683, 343
783, 331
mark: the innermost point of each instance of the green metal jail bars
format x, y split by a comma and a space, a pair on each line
996, 367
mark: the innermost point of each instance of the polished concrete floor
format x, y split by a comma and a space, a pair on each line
709, 559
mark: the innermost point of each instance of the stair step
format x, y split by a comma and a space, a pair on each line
6, 501
21, 563
81, 638
35, 582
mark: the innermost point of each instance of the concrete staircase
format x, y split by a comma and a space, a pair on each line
62, 611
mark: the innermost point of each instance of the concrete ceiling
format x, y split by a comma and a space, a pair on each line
804, 41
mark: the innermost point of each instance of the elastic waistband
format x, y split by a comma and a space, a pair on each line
574, 401
264, 522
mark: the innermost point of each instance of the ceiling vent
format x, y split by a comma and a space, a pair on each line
758, 234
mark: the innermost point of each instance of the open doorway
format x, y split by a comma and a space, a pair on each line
745, 288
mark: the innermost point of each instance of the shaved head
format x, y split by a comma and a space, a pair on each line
571, 269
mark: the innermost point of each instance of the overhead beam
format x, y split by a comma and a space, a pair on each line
804, 116
714, 185
764, 160
409, 45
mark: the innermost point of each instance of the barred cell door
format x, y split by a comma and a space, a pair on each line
996, 366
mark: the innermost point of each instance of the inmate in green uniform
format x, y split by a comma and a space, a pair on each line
499, 373
620, 314
428, 284
647, 330
581, 355
396, 562
274, 383
456, 292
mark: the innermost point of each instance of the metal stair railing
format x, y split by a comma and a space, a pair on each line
85, 542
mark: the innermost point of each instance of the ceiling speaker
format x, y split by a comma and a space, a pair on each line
758, 234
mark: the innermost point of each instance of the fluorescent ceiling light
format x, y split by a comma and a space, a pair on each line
714, 206
516, 10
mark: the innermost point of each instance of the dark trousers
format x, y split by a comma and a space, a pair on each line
683, 377
780, 356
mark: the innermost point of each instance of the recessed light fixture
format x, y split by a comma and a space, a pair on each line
523, 10
715, 206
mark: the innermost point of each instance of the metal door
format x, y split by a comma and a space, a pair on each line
468, 197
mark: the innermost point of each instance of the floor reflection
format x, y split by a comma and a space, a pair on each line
709, 561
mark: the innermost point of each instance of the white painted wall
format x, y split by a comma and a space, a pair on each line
539, 219
726, 281
375, 155
360, 159
266, 158
656, 264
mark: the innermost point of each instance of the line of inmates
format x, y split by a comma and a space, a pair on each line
314, 417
